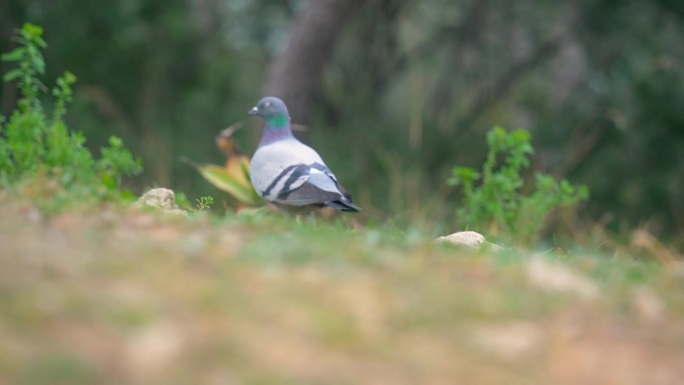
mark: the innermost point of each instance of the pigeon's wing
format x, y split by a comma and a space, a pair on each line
320, 188
312, 187
332, 176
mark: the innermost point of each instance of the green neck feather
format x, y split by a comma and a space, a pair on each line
279, 121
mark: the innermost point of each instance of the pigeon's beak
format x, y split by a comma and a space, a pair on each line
253, 111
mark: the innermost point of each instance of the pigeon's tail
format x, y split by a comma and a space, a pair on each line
343, 204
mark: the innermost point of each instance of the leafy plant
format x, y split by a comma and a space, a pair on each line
233, 177
39, 152
203, 203
497, 203
234, 184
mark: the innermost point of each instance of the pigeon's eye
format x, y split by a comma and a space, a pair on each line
267, 105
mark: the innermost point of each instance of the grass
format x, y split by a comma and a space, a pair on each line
114, 295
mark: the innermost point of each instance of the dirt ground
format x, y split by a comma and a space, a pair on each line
120, 296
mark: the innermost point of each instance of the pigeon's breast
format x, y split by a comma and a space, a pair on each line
272, 163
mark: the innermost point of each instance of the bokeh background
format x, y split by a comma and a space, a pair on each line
393, 93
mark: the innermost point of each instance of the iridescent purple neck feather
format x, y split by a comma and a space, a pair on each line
276, 128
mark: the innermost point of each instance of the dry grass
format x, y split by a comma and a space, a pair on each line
114, 296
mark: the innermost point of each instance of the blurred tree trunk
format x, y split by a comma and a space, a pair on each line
295, 74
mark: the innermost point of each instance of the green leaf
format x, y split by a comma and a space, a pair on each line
38, 63
521, 135
15, 55
463, 175
221, 179
115, 141
11, 75
69, 77
32, 31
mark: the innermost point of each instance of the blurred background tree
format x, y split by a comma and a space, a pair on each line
394, 92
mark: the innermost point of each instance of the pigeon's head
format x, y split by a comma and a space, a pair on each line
269, 108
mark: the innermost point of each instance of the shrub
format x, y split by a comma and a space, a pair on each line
497, 204
39, 153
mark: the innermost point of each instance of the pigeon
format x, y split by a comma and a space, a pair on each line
285, 171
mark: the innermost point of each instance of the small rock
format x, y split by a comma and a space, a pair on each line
161, 198
470, 239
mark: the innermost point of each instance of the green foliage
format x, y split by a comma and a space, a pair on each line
31, 64
41, 152
235, 183
203, 203
498, 203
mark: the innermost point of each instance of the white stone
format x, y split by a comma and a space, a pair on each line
470, 239
161, 198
